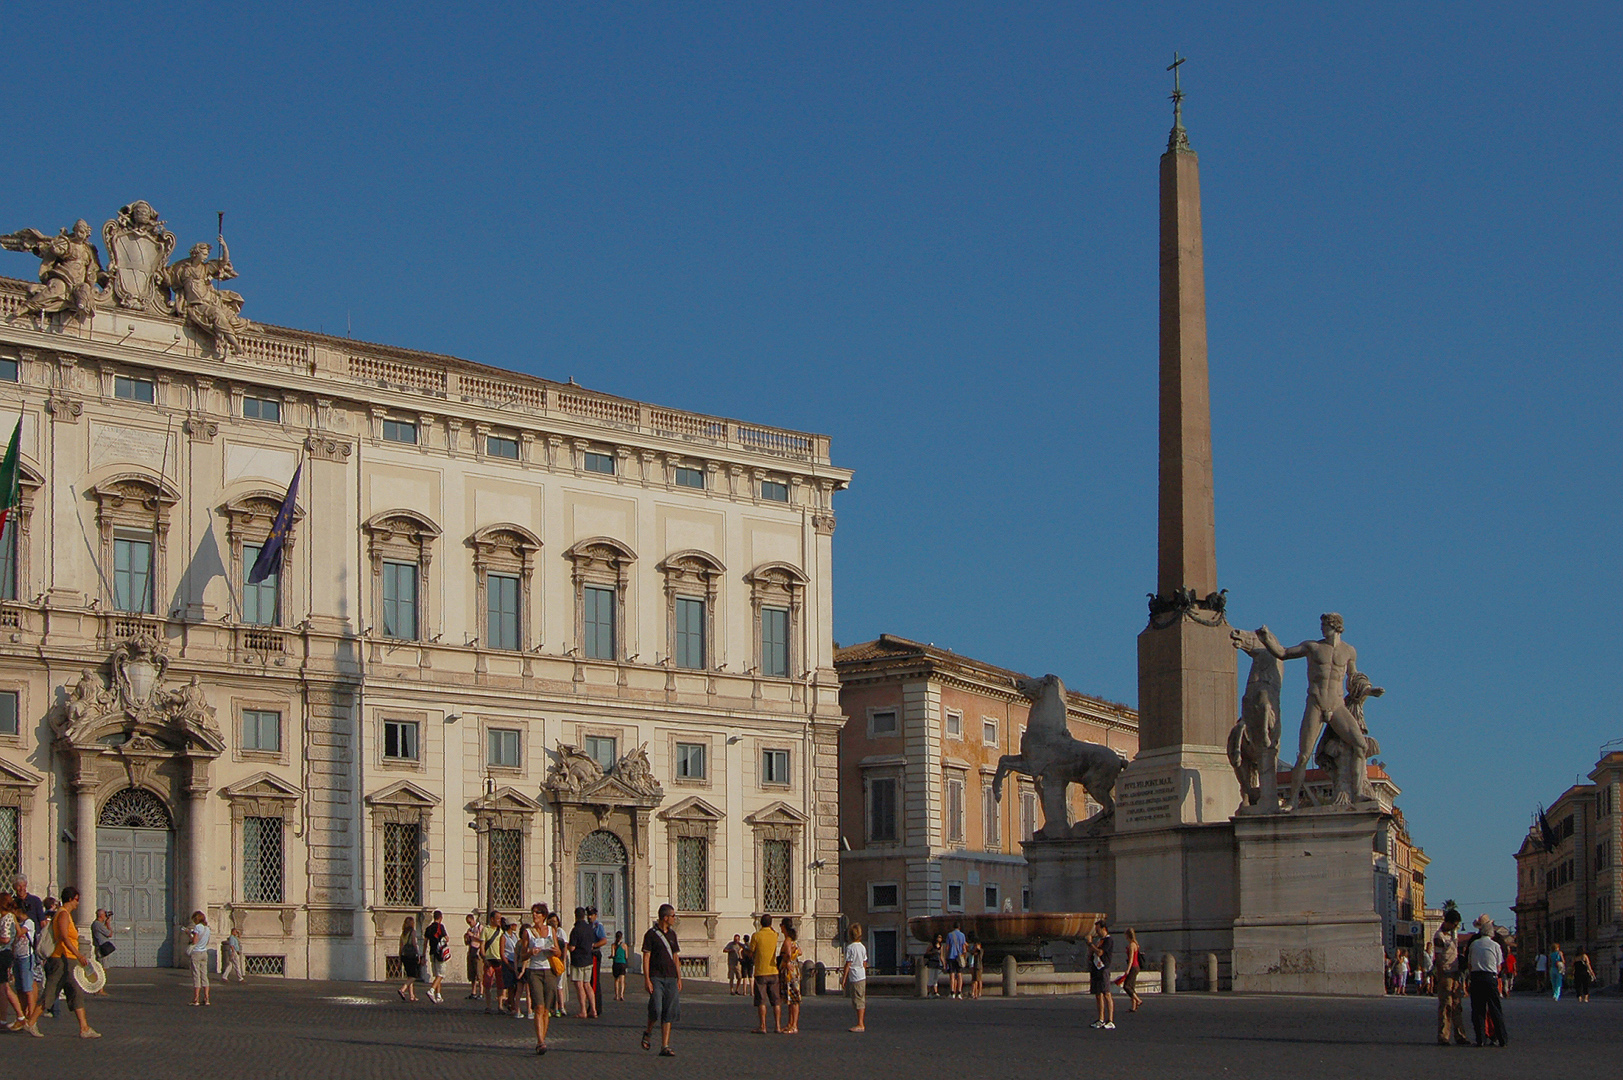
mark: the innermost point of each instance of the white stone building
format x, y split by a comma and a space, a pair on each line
485, 568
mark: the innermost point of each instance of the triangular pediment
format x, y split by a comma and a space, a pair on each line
263, 785
403, 793
506, 798
779, 813
692, 808
611, 790
12, 775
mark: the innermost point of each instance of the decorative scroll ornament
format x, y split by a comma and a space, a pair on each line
137, 706
138, 249
1184, 604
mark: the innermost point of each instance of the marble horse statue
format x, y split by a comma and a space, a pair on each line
1055, 759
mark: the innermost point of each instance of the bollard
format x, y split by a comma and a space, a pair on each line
819, 980
1211, 973
1011, 977
1169, 974
812, 978
921, 975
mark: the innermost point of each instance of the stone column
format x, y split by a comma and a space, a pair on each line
197, 855
84, 848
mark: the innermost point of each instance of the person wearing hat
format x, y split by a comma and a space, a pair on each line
1445, 966
1483, 959
58, 968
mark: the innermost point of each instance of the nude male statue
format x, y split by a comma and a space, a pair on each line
1330, 662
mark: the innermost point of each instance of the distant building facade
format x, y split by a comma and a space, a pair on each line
1570, 894
529, 642
924, 728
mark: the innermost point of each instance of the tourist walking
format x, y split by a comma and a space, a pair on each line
1426, 986
764, 952
476, 965
746, 968
12, 938
1400, 973
1583, 973
1541, 968
600, 937
662, 975
582, 947
854, 974
932, 966
1507, 973
789, 976
63, 938
30, 905
490, 959
198, 952
560, 964
733, 949
977, 963
620, 964
537, 947
1100, 949
1129, 978
1445, 955
231, 956
1558, 970
411, 960
515, 992
437, 951
22, 964
956, 946
1483, 959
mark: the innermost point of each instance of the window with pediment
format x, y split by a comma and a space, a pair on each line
602, 573
401, 544
248, 520
691, 826
132, 519
776, 593
401, 814
262, 808
504, 558
692, 582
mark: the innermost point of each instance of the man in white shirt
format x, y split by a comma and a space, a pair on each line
1484, 956
854, 974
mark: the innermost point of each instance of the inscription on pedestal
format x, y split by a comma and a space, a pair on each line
1148, 801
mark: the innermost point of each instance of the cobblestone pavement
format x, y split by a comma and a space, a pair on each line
271, 1028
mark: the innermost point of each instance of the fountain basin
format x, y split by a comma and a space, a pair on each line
1009, 932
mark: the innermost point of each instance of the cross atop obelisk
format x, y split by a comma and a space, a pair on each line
1179, 139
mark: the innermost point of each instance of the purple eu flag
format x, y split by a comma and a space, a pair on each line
270, 556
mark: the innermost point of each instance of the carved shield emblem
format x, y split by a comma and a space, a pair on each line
138, 246
143, 679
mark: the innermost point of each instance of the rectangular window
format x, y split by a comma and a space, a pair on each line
884, 723
992, 899
775, 642
1028, 814
774, 766
988, 731
690, 761
692, 873
1025, 899
10, 861
262, 731
257, 408
8, 371
401, 431
501, 447
602, 749
9, 722
955, 810
132, 575
258, 601
991, 825
690, 633
402, 848
135, 389
776, 877
882, 809
955, 896
883, 896
262, 860
506, 868
597, 615
501, 597
8, 559
599, 463
689, 478
955, 725
772, 491
400, 600
504, 748
400, 740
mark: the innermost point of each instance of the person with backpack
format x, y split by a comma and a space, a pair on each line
437, 946
411, 960
59, 941
11, 939
662, 976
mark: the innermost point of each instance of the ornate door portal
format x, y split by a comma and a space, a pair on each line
602, 879
135, 848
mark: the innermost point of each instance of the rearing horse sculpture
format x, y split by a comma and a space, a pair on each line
1056, 759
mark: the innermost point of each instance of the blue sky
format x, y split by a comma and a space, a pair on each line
929, 230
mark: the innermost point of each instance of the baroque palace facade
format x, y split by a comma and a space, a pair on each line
528, 642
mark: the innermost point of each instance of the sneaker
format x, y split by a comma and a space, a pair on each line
33, 1029
1111, 1026
89, 1033
1097, 1024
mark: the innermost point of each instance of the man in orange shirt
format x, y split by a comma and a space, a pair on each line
764, 950
59, 970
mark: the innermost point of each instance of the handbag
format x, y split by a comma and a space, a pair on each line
106, 948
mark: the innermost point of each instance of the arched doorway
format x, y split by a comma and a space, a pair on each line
602, 881
135, 849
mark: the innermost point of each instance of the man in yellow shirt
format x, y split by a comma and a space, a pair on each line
59, 968
764, 951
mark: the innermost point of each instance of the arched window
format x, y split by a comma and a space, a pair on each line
132, 517
402, 548
134, 808
691, 584
602, 572
503, 566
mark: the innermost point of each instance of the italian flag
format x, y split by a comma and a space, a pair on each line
8, 475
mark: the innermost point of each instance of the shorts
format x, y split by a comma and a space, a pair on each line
436, 967
665, 1003
955, 966
1098, 981
509, 976
766, 990
857, 991
580, 973
732, 967
22, 966
200, 970
619, 970
59, 980
543, 988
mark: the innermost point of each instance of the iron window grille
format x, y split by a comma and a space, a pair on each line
262, 860
506, 881
265, 965
402, 882
9, 855
776, 873
692, 873
133, 808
